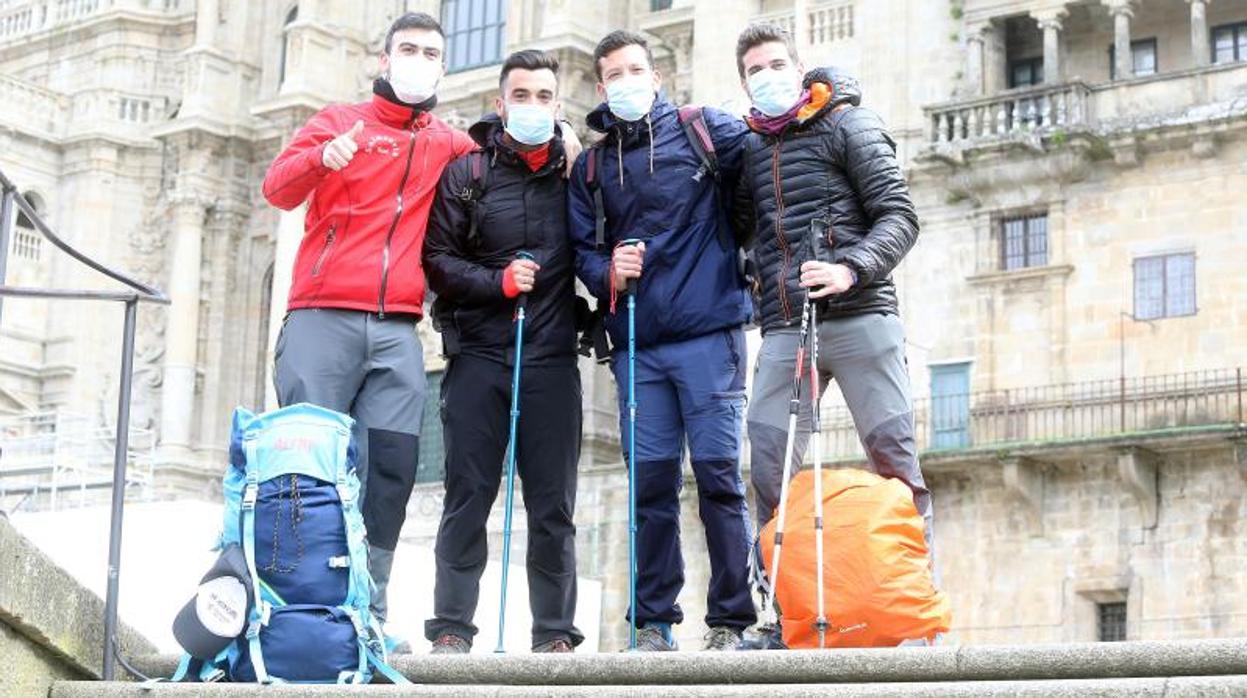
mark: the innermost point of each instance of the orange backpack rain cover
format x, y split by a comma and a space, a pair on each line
878, 589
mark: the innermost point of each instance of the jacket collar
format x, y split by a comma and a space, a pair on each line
603, 121
395, 113
489, 134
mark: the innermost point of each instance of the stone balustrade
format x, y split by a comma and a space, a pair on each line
827, 22
1014, 113
19, 18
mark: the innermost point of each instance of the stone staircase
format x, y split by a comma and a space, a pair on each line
1134, 669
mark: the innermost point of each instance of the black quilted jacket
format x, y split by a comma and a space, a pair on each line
835, 171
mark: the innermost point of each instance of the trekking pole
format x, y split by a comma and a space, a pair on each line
794, 405
520, 305
632, 528
820, 623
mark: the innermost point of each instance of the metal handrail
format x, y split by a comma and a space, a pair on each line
139, 292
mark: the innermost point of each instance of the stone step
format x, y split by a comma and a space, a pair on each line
1175, 687
1106, 660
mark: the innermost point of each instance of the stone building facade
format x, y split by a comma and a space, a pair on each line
1075, 309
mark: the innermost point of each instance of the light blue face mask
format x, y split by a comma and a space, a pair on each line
631, 96
530, 124
774, 91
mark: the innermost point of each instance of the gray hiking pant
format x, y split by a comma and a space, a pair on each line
372, 369
865, 354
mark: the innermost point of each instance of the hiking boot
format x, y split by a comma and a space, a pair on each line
722, 639
767, 637
450, 643
655, 638
558, 645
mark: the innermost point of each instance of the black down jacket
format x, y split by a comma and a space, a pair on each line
518, 210
835, 170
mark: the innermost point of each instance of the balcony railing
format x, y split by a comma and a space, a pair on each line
19, 18
1062, 413
1012, 113
827, 22
1196, 94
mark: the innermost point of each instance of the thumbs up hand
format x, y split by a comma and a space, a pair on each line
339, 151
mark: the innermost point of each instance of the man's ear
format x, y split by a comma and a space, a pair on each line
383, 61
601, 90
657, 80
500, 106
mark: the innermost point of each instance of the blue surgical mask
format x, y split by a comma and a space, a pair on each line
774, 91
530, 124
631, 96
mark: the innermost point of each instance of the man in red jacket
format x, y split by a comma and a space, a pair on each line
368, 173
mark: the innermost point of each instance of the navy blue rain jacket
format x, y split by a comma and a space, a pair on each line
691, 284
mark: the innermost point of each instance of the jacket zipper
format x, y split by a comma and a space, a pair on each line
324, 252
398, 212
779, 230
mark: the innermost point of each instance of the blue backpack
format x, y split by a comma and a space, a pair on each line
292, 505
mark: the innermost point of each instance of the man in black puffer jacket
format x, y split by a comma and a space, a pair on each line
817, 164
492, 205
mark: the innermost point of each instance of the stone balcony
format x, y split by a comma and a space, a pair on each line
1192, 102
21, 18
59, 117
825, 22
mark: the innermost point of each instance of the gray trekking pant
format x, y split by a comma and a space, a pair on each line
865, 354
372, 369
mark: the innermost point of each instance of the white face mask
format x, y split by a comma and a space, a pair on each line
631, 96
414, 78
775, 91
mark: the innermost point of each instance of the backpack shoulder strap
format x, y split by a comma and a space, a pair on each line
593, 181
473, 193
693, 121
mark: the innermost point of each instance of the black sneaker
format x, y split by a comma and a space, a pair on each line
450, 643
558, 645
650, 638
767, 637
722, 639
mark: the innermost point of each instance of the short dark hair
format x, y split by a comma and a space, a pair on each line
412, 20
762, 33
529, 59
616, 40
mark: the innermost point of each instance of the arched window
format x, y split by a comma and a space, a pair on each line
291, 16
27, 241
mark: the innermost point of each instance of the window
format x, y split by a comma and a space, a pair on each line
1142, 58
1229, 43
432, 466
1025, 73
1111, 621
291, 16
1024, 242
27, 242
1164, 286
950, 406
475, 32
659, 5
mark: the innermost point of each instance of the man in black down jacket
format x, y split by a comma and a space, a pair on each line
818, 164
515, 191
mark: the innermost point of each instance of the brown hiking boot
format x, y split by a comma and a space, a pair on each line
558, 645
450, 643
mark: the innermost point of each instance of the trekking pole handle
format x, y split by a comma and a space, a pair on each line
632, 283
522, 301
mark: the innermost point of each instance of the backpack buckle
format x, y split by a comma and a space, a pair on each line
249, 496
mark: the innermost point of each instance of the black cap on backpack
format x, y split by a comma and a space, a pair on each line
218, 612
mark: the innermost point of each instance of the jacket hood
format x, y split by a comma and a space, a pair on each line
844, 89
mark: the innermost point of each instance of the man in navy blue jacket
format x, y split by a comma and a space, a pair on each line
691, 305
